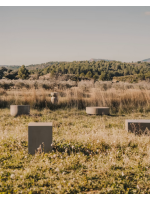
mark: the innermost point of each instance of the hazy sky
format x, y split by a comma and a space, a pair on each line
31, 35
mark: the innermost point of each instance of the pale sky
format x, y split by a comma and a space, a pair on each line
34, 35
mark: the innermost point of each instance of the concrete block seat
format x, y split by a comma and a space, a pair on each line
19, 110
97, 110
137, 126
39, 135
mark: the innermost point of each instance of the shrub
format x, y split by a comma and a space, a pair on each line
23, 73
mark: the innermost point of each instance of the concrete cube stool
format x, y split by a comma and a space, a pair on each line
19, 110
97, 110
137, 126
39, 133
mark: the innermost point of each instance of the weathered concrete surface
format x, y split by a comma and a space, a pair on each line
19, 110
97, 110
137, 126
39, 133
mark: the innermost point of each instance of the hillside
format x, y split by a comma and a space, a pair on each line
13, 67
93, 59
30, 67
102, 70
146, 60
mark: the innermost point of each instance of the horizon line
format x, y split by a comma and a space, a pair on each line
76, 61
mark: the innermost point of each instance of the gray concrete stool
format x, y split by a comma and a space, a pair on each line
39, 137
19, 110
97, 110
137, 126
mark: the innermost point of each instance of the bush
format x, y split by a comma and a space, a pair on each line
11, 75
6, 86
23, 73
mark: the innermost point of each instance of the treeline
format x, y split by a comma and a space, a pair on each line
102, 70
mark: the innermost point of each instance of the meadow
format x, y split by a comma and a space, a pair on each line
91, 154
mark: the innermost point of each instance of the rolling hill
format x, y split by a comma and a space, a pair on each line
93, 59
146, 60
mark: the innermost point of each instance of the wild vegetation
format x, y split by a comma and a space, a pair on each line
120, 97
100, 70
91, 154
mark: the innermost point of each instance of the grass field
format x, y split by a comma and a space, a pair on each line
91, 154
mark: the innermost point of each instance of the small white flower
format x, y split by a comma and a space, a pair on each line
122, 174
57, 169
12, 176
138, 187
59, 187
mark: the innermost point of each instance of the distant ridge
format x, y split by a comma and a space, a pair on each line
13, 67
146, 60
93, 59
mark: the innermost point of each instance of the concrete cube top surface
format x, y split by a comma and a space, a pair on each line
97, 110
138, 120
19, 105
19, 110
40, 124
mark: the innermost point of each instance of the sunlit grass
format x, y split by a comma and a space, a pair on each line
91, 154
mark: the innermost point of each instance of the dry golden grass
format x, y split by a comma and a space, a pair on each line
119, 100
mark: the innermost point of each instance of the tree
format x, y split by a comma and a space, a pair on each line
96, 76
103, 76
109, 76
23, 73
82, 75
71, 70
89, 74
141, 76
126, 72
52, 73
147, 75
